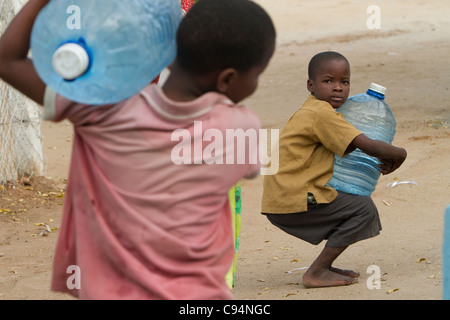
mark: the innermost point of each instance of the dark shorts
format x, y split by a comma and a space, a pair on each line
346, 220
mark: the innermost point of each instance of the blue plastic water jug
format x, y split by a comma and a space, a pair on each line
357, 172
103, 51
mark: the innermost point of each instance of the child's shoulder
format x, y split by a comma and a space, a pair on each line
218, 108
240, 115
314, 104
312, 108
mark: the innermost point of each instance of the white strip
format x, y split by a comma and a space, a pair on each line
297, 269
49, 104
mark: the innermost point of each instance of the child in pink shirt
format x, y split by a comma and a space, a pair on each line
146, 213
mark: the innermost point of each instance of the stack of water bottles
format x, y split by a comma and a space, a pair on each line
358, 173
104, 51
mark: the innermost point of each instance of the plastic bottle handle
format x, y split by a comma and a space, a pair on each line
70, 61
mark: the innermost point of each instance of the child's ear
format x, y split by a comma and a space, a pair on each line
310, 85
225, 79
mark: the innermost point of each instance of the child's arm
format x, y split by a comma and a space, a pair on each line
391, 157
15, 67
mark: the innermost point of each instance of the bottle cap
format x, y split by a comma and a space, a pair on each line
70, 61
377, 88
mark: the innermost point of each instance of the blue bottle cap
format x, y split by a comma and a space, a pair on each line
377, 90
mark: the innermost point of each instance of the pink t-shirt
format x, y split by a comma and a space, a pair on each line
146, 213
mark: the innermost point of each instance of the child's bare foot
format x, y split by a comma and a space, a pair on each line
326, 278
348, 273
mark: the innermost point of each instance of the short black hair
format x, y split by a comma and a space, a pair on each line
322, 57
219, 34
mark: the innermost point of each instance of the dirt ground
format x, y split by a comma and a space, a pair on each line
408, 55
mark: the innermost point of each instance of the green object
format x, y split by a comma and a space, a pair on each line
235, 205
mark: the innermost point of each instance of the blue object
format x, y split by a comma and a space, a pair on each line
446, 255
104, 51
358, 173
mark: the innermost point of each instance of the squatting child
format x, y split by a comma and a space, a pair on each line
298, 200
136, 224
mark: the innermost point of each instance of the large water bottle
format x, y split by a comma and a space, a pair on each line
357, 172
104, 51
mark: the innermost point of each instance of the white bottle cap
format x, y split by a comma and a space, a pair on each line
377, 88
70, 61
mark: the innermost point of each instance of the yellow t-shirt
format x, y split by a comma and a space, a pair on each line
307, 146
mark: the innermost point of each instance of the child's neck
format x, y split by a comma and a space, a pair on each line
182, 86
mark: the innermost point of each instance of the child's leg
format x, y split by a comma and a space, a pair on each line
322, 274
346, 220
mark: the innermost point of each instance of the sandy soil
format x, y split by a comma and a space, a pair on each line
408, 54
